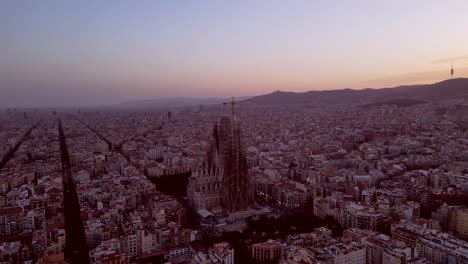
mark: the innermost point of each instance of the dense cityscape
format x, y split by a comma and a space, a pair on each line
233, 132
380, 183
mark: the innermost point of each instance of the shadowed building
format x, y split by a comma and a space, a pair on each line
76, 250
223, 183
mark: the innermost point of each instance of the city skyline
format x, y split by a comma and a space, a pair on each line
88, 54
227, 132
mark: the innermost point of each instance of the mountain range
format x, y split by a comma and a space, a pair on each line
406, 94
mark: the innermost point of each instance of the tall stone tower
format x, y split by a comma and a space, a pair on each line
238, 194
224, 178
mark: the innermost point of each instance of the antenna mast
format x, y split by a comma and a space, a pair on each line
451, 72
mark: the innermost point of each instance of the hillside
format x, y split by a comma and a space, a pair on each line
397, 102
448, 89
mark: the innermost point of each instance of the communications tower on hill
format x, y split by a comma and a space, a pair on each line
451, 72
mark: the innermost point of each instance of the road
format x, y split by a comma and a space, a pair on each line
10, 153
76, 249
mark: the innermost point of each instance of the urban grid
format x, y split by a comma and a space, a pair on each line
233, 132
380, 183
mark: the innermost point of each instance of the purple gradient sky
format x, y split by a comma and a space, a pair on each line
56, 53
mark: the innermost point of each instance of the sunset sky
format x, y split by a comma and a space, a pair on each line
56, 53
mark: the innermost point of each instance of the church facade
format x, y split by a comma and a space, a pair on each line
222, 184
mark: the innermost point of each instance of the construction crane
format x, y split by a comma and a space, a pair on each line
232, 103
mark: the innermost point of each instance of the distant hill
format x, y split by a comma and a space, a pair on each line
448, 89
177, 102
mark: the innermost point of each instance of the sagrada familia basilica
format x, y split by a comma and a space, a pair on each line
222, 184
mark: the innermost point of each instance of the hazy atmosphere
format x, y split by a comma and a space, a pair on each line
85, 53
233, 132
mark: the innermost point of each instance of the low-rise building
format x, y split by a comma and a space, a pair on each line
270, 250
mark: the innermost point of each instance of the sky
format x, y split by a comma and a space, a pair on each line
87, 52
